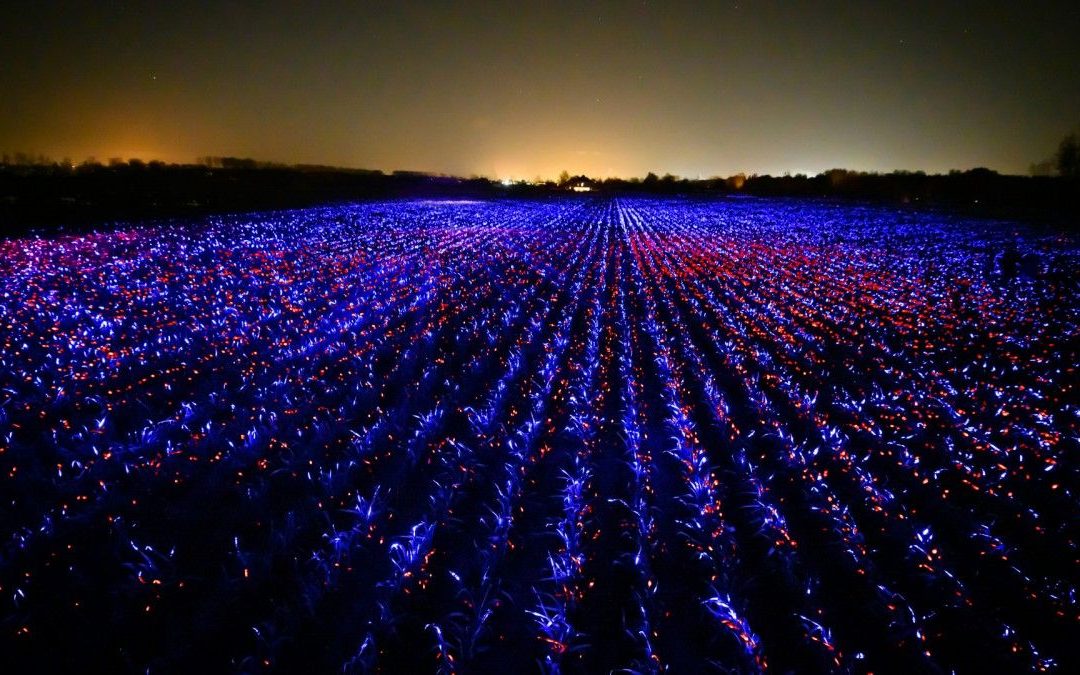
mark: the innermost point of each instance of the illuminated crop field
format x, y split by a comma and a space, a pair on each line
569, 436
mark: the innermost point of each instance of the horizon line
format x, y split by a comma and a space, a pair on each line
43, 160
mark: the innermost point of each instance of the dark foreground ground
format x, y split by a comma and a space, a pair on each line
541, 436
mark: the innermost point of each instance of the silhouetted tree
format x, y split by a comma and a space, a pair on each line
564, 177
1068, 157
245, 163
1043, 168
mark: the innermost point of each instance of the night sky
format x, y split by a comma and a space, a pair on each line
526, 89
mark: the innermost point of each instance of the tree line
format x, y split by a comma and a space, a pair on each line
36, 190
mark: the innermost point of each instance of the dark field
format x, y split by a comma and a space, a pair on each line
562, 436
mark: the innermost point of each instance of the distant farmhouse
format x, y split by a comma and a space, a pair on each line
581, 184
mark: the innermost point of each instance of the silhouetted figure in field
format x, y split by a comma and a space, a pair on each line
1008, 261
1031, 266
989, 270
1059, 277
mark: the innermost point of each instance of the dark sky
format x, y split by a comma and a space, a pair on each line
519, 89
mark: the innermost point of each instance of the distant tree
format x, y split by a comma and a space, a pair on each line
837, 176
564, 177
239, 163
1044, 168
1068, 157
651, 178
